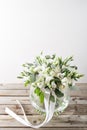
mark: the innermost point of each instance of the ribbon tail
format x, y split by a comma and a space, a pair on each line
26, 122
51, 110
11, 113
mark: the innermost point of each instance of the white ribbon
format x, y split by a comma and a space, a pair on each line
49, 108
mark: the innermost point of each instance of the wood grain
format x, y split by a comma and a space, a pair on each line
59, 128
73, 118
75, 109
60, 121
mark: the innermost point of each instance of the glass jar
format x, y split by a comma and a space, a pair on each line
61, 103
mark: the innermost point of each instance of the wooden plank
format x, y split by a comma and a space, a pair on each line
25, 100
13, 86
76, 128
82, 93
81, 85
16, 108
78, 100
25, 92
12, 100
60, 121
79, 93
74, 109
14, 92
73, 118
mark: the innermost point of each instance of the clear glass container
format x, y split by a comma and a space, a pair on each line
61, 103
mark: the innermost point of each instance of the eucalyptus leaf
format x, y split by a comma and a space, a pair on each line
20, 77
48, 57
68, 59
32, 77
60, 62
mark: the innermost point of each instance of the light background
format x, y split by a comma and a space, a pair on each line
29, 26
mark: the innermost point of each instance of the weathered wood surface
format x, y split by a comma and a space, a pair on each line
73, 118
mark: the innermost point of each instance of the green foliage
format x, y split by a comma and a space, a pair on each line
52, 98
47, 73
27, 65
53, 56
66, 72
58, 93
20, 77
75, 75
48, 57
39, 93
26, 83
60, 62
56, 80
33, 77
67, 60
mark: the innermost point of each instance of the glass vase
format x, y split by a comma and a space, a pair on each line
60, 105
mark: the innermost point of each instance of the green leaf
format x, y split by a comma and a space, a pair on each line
48, 57
60, 62
56, 80
26, 83
58, 93
66, 72
41, 97
46, 87
27, 64
39, 61
52, 98
32, 77
68, 59
49, 65
39, 93
79, 75
75, 67
23, 74
20, 77
53, 56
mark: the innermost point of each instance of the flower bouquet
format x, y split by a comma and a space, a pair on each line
50, 74
49, 79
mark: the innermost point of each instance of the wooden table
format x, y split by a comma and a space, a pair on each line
73, 118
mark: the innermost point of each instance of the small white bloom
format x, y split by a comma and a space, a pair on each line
65, 81
38, 68
53, 85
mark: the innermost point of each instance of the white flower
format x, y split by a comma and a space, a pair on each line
48, 78
38, 68
53, 85
65, 81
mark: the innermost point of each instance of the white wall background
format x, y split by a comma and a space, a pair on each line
29, 26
